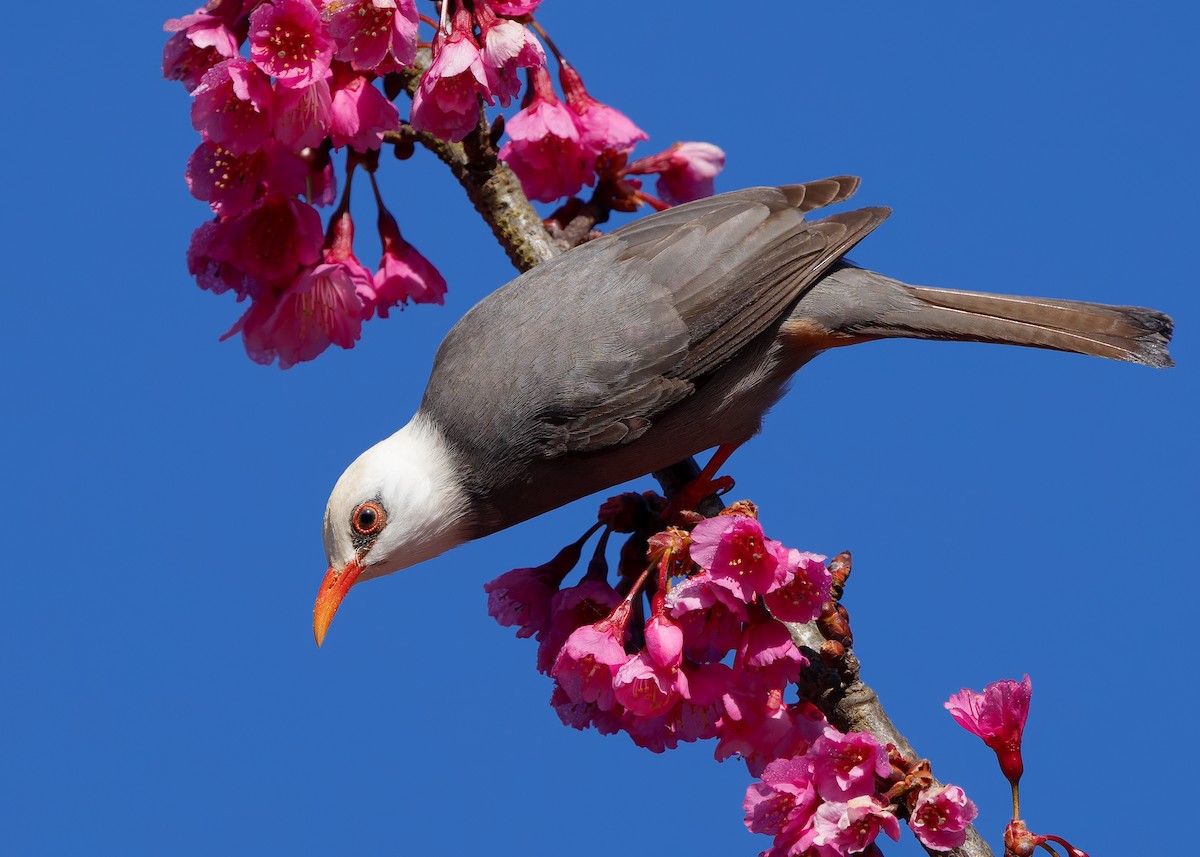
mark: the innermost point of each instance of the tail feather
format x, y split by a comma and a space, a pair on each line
874, 305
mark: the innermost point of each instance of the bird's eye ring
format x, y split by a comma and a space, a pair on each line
368, 519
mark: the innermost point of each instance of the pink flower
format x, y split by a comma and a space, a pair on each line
571, 608
339, 249
802, 598
507, 47
377, 35
214, 274
200, 41
289, 42
601, 128
767, 658
941, 817
319, 309
686, 171
322, 180
272, 239
590, 658
710, 616
545, 149
847, 828
233, 106
733, 548
515, 8
760, 728
361, 115
522, 597
845, 765
581, 715
998, 717
650, 683
230, 182
694, 713
783, 804
447, 101
404, 274
303, 115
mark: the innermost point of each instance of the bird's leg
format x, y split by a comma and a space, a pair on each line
704, 485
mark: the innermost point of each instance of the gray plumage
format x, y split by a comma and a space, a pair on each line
678, 332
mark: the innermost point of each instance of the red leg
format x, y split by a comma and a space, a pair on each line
705, 484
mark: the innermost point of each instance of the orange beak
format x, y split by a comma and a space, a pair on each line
334, 587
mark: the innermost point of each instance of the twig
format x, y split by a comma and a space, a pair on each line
496, 193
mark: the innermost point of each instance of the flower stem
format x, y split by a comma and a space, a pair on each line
1016, 796
549, 42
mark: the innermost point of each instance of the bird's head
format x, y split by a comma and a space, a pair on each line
398, 504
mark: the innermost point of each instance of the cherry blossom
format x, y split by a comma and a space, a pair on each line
571, 608
845, 765
200, 41
521, 598
847, 828
289, 42
545, 149
321, 308
447, 101
233, 106
507, 47
997, 715
378, 35
272, 239
941, 817
404, 274
804, 596
303, 115
229, 182
685, 171
733, 548
360, 115
651, 682
601, 128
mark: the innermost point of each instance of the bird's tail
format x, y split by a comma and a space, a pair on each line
867, 304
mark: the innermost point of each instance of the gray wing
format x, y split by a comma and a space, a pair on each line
586, 349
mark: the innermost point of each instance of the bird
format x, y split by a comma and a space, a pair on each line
669, 336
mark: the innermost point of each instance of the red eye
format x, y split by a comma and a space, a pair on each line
368, 519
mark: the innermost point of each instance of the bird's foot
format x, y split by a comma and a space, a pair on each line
695, 493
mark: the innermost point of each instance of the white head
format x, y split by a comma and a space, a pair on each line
398, 504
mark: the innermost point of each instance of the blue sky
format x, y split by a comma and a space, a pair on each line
1009, 511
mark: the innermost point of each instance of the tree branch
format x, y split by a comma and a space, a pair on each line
496, 193
491, 186
852, 706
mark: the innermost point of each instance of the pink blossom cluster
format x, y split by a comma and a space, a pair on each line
268, 121
277, 85
557, 146
673, 684
469, 68
827, 801
714, 660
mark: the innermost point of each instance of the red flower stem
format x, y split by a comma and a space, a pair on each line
375, 190
426, 19
597, 569
658, 605
545, 38
653, 201
619, 617
591, 531
344, 202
